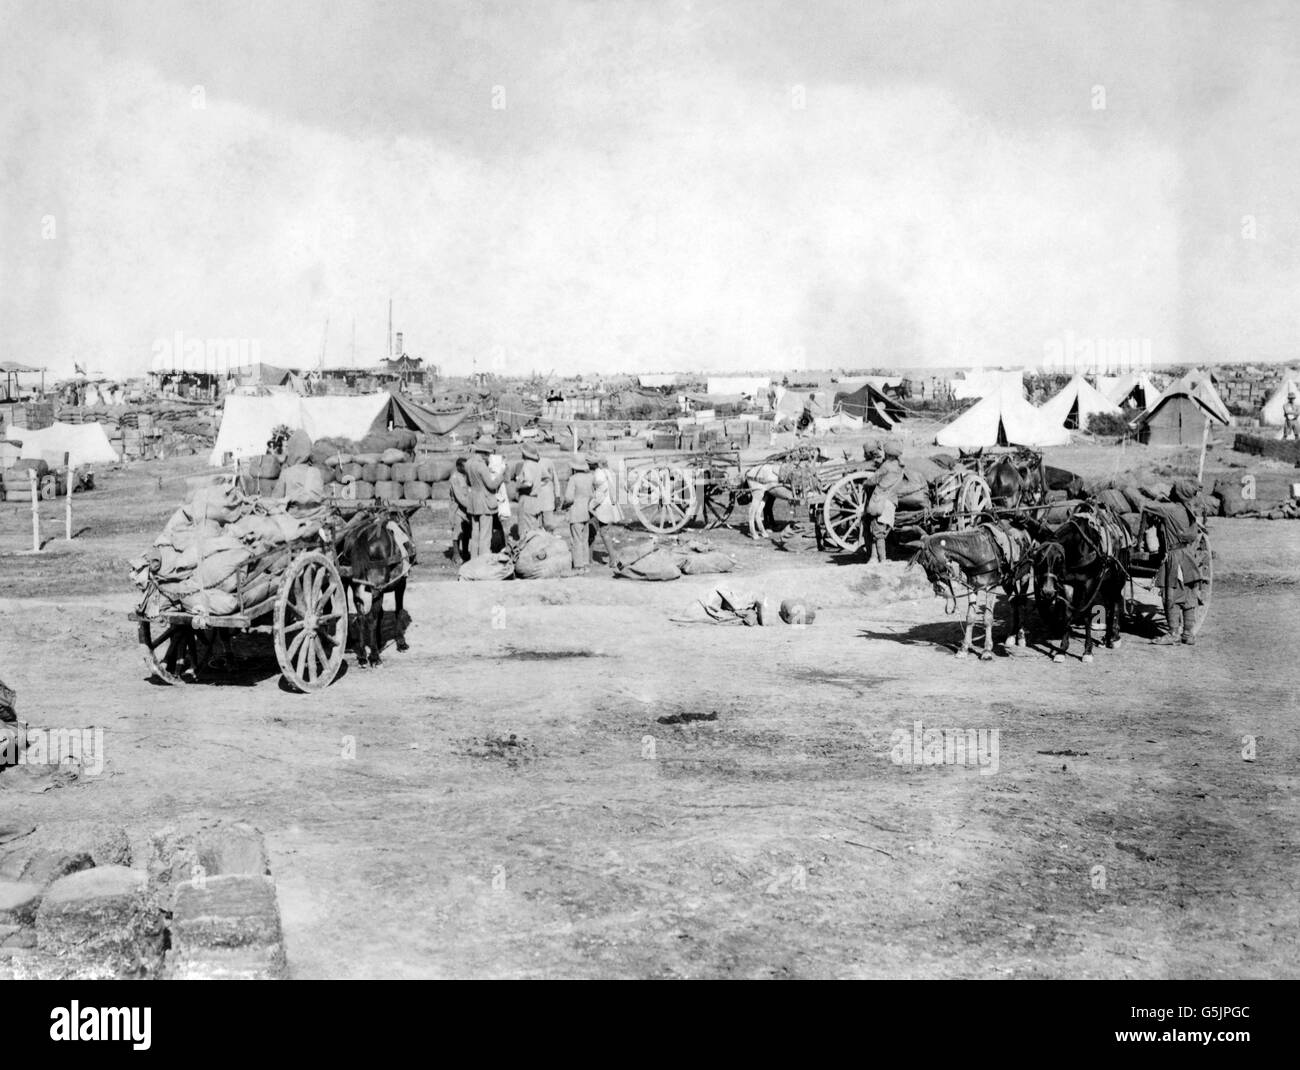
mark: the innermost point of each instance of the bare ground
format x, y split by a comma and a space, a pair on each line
516, 805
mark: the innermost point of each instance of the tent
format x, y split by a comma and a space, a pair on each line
1133, 391
401, 411
869, 404
1075, 403
1271, 413
247, 422
84, 443
1179, 415
266, 375
977, 384
1003, 418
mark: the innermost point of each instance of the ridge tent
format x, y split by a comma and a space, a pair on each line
1136, 387
1178, 416
84, 443
1003, 418
870, 405
1271, 413
1075, 403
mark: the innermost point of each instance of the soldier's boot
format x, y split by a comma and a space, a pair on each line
1170, 636
1189, 627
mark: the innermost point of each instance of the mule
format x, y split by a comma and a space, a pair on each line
1012, 484
981, 561
378, 555
1082, 564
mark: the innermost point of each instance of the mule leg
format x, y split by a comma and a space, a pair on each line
988, 602
363, 598
966, 643
399, 593
376, 628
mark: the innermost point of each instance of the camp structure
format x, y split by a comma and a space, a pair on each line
870, 405
248, 422
981, 384
83, 443
1003, 418
753, 387
1271, 413
1134, 392
1178, 417
1076, 402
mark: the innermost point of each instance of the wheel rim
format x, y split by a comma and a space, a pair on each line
311, 623
844, 514
663, 499
973, 498
166, 654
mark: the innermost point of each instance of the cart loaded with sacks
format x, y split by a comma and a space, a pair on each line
227, 564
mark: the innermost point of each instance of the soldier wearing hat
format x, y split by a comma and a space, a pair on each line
1181, 576
483, 486
577, 501
886, 482
536, 482
1290, 417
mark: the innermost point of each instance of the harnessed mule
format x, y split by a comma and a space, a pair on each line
1082, 563
376, 555
981, 559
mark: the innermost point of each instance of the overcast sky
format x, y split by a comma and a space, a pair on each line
680, 185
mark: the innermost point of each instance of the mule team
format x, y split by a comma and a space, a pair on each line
1073, 567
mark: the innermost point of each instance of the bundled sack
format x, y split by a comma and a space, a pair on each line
211, 603
222, 503
488, 567
21, 466
222, 560
657, 564
703, 561
387, 490
542, 555
404, 472
367, 457
392, 456
436, 471
416, 491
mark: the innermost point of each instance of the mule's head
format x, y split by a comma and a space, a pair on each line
367, 551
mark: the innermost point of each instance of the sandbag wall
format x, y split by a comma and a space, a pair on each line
382, 467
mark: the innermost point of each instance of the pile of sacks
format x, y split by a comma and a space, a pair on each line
647, 560
199, 559
723, 606
539, 555
381, 466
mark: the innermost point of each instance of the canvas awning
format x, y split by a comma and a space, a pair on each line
84, 443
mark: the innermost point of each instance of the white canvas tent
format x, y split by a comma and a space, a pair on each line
247, 422
1271, 413
841, 421
978, 384
1133, 391
1075, 403
84, 443
1198, 386
1003, 418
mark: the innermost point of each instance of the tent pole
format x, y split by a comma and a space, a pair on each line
1205, 441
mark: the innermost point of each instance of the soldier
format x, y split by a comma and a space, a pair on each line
886, 482
577, 498
483, 486
461, 525
536, 483
1180, 577
1290, 418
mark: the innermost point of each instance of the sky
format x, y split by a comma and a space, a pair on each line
606, 185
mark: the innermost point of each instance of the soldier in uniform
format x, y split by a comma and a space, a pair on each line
1181, 577
1290, 418
886, 482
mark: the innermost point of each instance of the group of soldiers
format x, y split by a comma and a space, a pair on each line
481, 504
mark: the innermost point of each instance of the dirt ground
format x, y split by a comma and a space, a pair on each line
522, 794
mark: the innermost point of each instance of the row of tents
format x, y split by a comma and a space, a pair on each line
1177, 415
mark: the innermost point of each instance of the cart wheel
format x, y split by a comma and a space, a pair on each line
1205, 552
973, 498
663, 498
844, 514
311, 622
719, 504
170, 650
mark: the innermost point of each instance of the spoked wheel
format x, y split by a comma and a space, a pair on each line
973, 498
311, 622
663, 499
844, 514
171, 651
719, 503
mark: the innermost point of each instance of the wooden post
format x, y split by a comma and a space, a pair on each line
36, 510
72, 482
1205, 441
